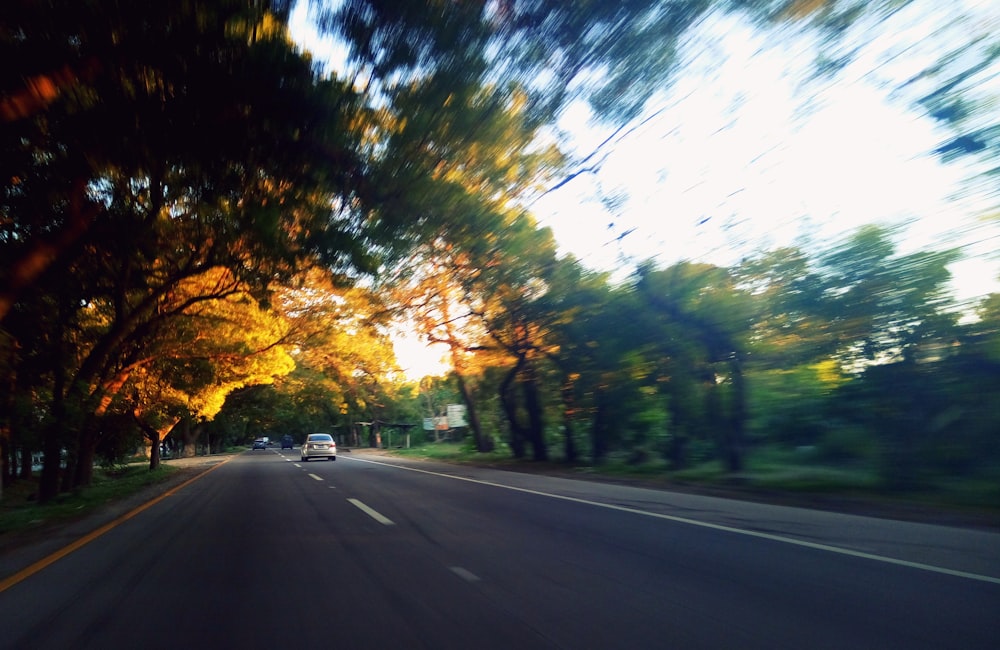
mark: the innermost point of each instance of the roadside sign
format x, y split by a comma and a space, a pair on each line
456, 415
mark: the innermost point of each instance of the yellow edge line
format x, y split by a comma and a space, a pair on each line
91, 536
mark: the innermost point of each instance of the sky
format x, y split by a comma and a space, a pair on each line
749, 151
747, 155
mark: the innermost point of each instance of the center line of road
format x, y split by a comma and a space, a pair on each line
374, 514
316, 477
705, 524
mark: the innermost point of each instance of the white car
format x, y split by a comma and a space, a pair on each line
319, 445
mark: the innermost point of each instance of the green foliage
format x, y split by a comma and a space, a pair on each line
845, 443
164, 172
790, 406
927, 420
614, 55
20, 511
120, 439
192, 207
880, 306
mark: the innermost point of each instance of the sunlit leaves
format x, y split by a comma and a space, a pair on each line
211, 348
341, 343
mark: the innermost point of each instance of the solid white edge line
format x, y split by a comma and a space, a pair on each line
704, 524
374, 514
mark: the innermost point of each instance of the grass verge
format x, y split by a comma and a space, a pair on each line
20, 510
785, 476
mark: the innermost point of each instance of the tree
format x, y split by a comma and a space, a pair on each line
436, 305
589, 340
460, 161
614, 55
181, 160
473, 294
177, 101
880, 306
705, 321
347, 370
216, 347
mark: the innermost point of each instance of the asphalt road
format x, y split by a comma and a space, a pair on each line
374, 552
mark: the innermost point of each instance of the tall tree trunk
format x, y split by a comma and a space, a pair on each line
154, 451
22, 436
68, 474
189, 437
516, 430
26, 461
536, 417
52, 434
737, 418
48, 483
568, 395
680, 421
509, 403
484, 443
600, 430
570, 453
155, 437
86, 452
6, 462
677, 451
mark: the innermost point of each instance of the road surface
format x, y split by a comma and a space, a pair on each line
265, 551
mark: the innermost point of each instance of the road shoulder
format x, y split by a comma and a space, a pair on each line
23, 548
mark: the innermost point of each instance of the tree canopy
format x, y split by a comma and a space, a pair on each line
198, 223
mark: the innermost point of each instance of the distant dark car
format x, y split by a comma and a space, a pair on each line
287, 442
259, 444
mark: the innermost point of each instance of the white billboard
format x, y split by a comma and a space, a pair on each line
456, 415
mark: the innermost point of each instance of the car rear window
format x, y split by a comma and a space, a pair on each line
320, 437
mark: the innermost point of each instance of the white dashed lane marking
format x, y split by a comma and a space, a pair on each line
374, 514
464, 574
712, 526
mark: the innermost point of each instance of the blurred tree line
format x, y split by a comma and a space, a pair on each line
205, 237
854, 357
